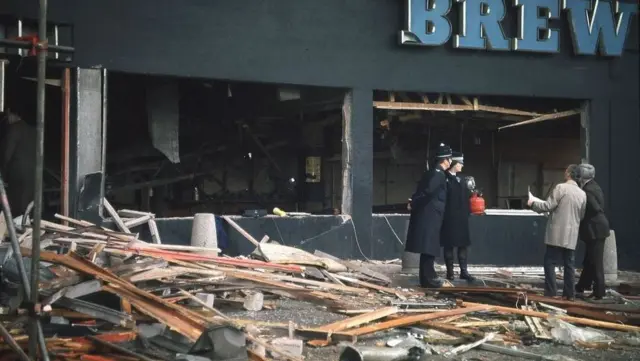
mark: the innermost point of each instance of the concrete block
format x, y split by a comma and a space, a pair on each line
291, 346
410, 263
203, 231
610, 260
207, 298
254, 301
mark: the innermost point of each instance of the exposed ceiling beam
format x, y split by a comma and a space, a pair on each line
451, 108
543, 118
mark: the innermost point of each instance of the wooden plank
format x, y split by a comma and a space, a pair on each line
449, 107
128, 213
577, 320
116, 218
359, 320
543, 118
331, 277
326, 285
595, 315
183, 256
153, 229
241, 231
345, 324
535, 326
388, 290
322, 338
591, 306
284, 254
410, 320
188, 323
138, 221
355, 267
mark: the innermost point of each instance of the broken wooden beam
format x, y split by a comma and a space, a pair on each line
543, 118
577, 320
410, 320
241, 231
354, 267
345, 324
114, 215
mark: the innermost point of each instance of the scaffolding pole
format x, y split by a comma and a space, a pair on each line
30, 287
22, 271
36, 328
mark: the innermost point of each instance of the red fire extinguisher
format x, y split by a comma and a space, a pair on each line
476, 203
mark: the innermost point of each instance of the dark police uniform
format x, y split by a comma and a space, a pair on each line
455, 224
427, 210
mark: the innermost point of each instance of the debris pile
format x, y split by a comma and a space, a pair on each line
107, 295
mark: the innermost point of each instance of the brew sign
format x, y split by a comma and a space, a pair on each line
600, 27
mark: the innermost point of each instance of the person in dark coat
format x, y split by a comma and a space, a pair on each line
594, 229
427, 209
455, 225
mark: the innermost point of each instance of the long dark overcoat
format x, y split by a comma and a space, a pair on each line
427, 210
455, 225
595, 224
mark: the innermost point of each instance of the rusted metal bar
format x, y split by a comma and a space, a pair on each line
119, 349
23, 44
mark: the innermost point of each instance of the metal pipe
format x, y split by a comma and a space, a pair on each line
351, 353
66, 106
22, 44
511, 352
3, 63
103, 139
36, 335
22, 271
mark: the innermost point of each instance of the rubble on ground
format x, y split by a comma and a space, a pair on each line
107, 295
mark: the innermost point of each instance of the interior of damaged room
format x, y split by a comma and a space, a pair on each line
212, 153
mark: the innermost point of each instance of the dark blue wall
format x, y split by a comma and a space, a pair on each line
353, 44
497, 240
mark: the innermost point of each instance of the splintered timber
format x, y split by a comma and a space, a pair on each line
598, 27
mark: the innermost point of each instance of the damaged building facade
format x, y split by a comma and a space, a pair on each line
332, 109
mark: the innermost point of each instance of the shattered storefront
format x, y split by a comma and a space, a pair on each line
331, 110
212, 169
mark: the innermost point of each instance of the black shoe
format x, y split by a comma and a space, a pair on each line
466, 276
449, 264
464, 273
450, 277
434, 283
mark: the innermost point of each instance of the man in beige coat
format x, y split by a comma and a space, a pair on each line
566, 206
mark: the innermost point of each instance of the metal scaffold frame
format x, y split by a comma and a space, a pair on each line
39, 46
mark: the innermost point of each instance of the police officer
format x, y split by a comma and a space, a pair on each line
427, 208
455, 224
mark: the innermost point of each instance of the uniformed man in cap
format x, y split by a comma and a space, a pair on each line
455, 224
427, 208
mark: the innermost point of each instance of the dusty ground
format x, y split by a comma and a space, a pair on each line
309, 315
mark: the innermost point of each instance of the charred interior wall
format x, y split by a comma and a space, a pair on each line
354, 45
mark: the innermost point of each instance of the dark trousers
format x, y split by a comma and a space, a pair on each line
593, 268
552, 257
462, 254
427, 269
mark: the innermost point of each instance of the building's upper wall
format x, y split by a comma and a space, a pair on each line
332, 42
